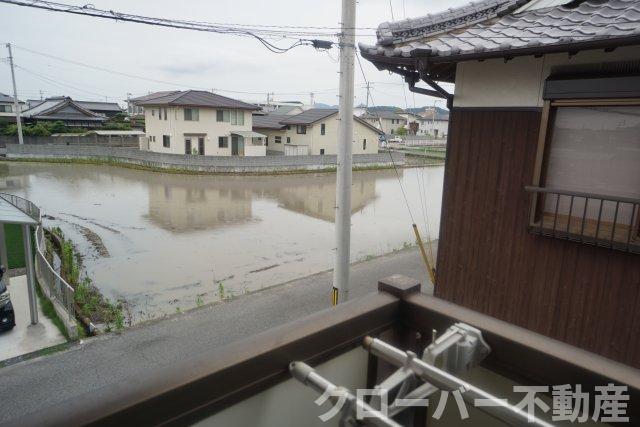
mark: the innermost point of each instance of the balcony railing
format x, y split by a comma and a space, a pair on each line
596, 219
225, 385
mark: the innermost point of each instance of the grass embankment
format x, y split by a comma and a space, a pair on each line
91, 305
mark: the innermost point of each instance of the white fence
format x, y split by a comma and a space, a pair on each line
52, 284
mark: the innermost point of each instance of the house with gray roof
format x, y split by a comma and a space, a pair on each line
7, 105
199, 122
63, 109
107, 109
541, 200
314, 131
387, 121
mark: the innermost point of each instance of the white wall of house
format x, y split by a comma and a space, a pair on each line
434, 128
7, 109
327, 142
179, 129
389, 126
520, 81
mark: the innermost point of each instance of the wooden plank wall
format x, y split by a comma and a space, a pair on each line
487, 260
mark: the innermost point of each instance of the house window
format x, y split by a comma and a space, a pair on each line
222, 115
278, 139
322, 151
5, 108
288, 140
153, 112
588, 173
165, 113
301, 129
364, 144
166, 141
191, 114
223, 142
237, 117
322, 129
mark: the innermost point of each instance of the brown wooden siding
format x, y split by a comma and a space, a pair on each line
488, 261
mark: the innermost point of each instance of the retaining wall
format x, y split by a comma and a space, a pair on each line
195, 163
114, 141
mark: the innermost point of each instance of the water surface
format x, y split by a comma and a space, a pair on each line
167, 242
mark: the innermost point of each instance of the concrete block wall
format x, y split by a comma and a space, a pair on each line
195, 163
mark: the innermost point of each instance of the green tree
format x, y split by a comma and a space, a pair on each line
401, 131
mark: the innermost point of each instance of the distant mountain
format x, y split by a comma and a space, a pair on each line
418, 110
321, 105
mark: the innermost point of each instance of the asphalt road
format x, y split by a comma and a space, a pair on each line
116, 358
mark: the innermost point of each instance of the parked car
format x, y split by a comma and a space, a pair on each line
7, 316
396, 139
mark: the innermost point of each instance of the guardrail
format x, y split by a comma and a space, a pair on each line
596, 219
51, 282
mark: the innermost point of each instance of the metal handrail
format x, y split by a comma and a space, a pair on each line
24, 205
565, 226
65, 295
606, 197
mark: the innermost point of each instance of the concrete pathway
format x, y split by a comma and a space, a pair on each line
46, 381
25, 337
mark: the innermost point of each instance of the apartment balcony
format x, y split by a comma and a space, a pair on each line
594, 219
250, 382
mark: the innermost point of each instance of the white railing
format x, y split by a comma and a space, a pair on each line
50, 281
54, 285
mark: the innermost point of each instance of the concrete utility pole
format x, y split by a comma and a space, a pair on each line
345, 140
311, 98
16, 103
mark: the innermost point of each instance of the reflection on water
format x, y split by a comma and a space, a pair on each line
174, 239
189, 203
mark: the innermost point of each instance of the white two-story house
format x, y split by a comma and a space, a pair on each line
199, 122
7, 105
314, 132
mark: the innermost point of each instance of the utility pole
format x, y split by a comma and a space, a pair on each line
311, 96
345, 140
433, 120
16, 103
368, 94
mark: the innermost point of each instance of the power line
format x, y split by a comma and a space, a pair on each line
259, 33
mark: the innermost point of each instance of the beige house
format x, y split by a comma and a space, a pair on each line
199, 122
387, 121
314, 131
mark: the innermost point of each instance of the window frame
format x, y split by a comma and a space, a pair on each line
323, 129
166, 141
301, 129
220, 116
277, 139
193, 117
223, 142
545, 135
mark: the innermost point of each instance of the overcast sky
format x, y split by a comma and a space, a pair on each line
194, 59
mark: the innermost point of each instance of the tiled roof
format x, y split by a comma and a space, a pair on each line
99, 106
6, 98
383, 114
192, 98
310, 116
269, 121
538, 30
51, 109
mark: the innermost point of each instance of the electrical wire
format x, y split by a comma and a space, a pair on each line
259, 33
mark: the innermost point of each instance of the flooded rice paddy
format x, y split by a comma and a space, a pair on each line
168, 242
